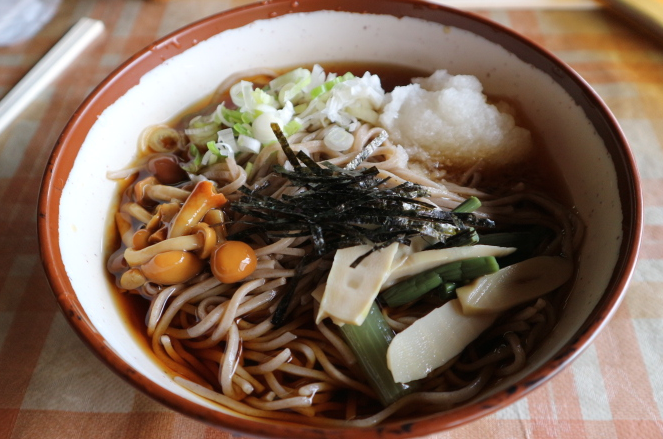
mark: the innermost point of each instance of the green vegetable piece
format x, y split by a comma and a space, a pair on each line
462, 239
514, 239
292, 127
232, 116
468, 206
465, 237
411, 289
416, 286
291, 93
292, 76
525, 242
324, 88
247, 118
467, 269
444, 292
369, 342
193, 166
242, 128
212, 147
468, 236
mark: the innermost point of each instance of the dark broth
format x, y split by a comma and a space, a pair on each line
539, 173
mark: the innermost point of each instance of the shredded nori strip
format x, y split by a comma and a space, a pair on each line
344, 207
367, 151
289, 153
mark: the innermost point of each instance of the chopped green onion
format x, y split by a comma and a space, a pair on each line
260, 97
468, 206
213, 148
289, 93
243, 129
248, 144
194, 165
200, 132
338, 139
211, 145
364, 113
369, 343
232, 116
197, 156
292, 127
209, 158
226, 138
248, 118
324, 88
292, 77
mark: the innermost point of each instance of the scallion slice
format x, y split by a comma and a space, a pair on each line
369, 342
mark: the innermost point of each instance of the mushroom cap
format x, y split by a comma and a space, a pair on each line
172, 267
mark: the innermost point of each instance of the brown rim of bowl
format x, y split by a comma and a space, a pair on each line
129, 73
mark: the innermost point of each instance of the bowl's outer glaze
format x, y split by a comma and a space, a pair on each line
65, 153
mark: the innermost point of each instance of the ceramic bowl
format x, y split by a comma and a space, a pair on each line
583, 138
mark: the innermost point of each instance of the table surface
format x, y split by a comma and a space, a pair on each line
51, 386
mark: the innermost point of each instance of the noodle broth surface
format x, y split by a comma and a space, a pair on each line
539, 174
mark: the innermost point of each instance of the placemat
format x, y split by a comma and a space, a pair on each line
52, 387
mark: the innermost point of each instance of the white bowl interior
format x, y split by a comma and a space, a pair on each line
314, 37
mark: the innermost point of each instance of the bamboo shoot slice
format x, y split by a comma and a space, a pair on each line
350, 292
515, 284
433, 340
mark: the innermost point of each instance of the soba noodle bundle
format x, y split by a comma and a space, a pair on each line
241, 308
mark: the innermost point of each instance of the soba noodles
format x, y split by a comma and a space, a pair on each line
284, 258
